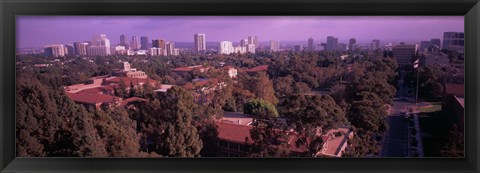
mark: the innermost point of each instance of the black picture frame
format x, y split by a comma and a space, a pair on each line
11, 8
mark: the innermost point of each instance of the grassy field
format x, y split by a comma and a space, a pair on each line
436, 106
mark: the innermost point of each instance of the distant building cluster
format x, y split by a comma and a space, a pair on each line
248, 45
101, 46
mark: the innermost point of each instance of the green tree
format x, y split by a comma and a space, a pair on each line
368, 112
454, 145
261, 109
168, 124
263, 88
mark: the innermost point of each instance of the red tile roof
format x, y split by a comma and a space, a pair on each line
92, 98
455, 89
128, 80
258, 68
98, 90
238, 133
234, 132
132, 99
182, 69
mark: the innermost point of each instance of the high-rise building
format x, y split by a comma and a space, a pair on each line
170, 49
135, 43
144, 43
123, 40
311, 44
225, 47
155, 51
404, 54
159, 43
250, 48
453, 40
100, 40
70, 50
274, 45
351, 42
435, 41
244, 42
425, 45
200, 44
100, 46
54, 50
375, 44
80, 48
332, 43
253, 40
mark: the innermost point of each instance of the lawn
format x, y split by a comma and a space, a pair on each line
436, 106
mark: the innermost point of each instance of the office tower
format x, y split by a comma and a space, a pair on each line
225, 47
250, 48
70, 50
424, 45
298, 48
332, 43
200, 44
100, 40
135, 43
311, 45
375, 44
243, 42
274, 45
253, 40
435, 41
453, 40
144, 43
54, 50
351, 42
123, 40
159, 43
80, 48
100, 46
155, 51
170, 48
404, 54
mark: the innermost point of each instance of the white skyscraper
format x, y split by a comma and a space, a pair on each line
225, 47
55, 50
244, 42
250, 48
170, 47
274, 45
100, 46
200, 43
135, 43
253, 40
311, 44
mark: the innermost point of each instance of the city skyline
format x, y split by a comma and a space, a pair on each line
36, 31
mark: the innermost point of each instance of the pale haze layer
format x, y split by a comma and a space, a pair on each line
35, 31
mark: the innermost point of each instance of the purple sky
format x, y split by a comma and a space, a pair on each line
33, 31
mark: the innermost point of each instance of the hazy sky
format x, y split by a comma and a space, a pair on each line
33, 31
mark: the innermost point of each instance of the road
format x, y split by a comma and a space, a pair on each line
395, 141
